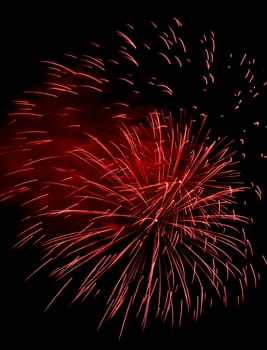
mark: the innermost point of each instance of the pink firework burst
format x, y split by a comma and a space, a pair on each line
127, 182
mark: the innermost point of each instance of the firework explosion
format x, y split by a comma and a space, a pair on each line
129, 171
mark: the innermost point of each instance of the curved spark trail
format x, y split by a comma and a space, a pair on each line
128, 168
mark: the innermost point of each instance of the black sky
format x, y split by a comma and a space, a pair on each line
33, 32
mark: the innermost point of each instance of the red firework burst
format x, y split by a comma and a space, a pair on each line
117, 185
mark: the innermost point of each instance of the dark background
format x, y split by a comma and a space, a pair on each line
29, 33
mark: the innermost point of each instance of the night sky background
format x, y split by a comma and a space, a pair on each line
29, 33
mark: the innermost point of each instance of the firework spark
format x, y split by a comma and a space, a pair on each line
122, 168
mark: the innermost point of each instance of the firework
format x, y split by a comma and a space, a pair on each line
129, 171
